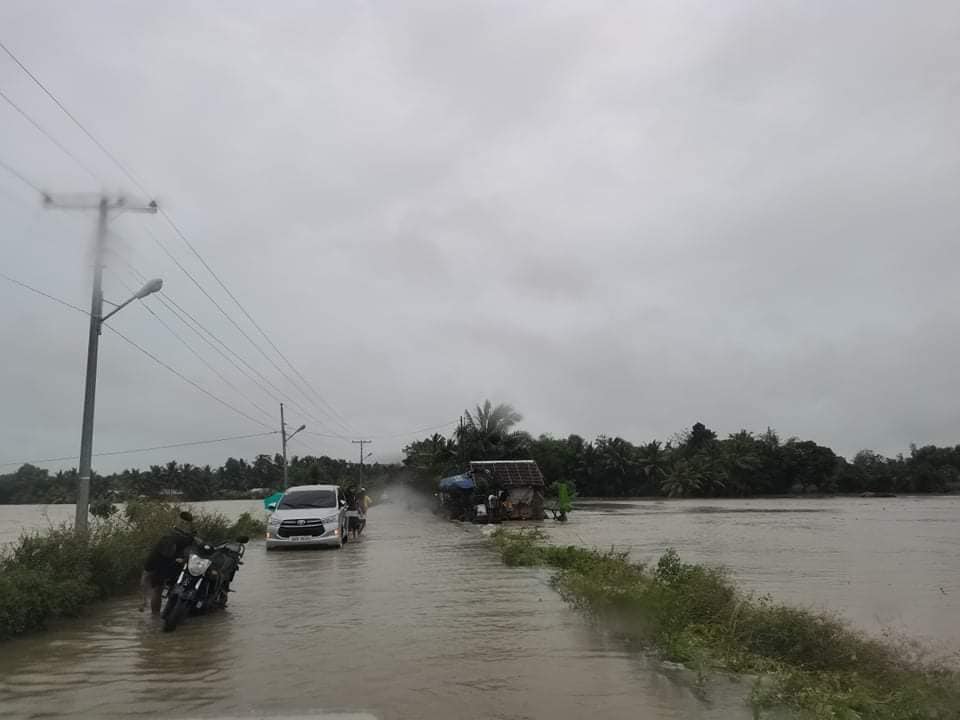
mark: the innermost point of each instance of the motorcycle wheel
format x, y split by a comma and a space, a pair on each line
175, 614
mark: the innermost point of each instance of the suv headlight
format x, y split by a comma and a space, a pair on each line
329, 520
273, 521
197, 565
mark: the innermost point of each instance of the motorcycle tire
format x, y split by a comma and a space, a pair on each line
175, 614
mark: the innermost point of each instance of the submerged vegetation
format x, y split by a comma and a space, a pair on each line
810, 662
56, 573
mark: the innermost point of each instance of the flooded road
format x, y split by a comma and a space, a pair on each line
417, 620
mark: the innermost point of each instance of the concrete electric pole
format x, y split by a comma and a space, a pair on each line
104, 205
284, 437
361, 443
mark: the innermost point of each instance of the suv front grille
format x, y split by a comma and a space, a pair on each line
299, 528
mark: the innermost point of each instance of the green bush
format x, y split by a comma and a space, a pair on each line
57, 573
694, 614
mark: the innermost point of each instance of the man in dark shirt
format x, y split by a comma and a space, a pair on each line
164, 561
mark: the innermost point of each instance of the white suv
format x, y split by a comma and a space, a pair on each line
308, 515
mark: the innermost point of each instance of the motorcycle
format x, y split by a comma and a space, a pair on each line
204, 581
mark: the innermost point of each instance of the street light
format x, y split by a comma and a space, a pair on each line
151, 287
86, 434
284, 438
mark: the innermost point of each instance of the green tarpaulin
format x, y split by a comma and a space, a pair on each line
272, 500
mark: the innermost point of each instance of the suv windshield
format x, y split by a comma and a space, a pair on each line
308, 499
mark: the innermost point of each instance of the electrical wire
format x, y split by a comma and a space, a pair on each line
76, 122
21, 178
415, 432
330, 411
126, 171
183, 377
203, 333
219, 307
41, 292
193, 350
50, 137
143, 350
146, 449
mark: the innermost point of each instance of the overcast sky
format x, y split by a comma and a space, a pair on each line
620, 217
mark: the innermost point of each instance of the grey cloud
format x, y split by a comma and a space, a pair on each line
621, 218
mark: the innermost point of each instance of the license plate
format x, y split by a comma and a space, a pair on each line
302, 538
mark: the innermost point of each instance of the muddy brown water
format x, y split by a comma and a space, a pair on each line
421, 620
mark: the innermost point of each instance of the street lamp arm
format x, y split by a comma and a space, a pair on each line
117, 309
151, 287
302, 427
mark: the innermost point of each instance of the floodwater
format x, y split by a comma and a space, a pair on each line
891, 566
419, 619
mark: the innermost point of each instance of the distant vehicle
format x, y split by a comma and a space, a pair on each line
204, 582
309, 515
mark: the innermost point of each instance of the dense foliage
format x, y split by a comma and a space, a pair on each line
808, 661
694, 464
56, 573
234, 479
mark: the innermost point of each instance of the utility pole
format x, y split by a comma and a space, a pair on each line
361, 443
103, 205
284, 437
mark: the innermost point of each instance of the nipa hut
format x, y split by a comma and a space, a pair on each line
519, 482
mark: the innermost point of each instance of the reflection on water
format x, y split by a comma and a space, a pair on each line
417, 620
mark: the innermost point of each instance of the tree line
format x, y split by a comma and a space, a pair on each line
695, 463
236, 478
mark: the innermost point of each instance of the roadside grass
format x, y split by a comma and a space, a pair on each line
806, 661
55, 573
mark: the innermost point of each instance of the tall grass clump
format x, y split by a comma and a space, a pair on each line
807, 661
56, 573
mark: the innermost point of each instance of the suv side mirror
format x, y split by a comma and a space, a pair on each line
271, 507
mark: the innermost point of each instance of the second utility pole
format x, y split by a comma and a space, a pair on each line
361, 443
284, 437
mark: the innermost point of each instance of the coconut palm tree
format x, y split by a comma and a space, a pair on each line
654, 460
492, 420
488, 430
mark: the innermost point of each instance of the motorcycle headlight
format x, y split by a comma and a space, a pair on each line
197, 565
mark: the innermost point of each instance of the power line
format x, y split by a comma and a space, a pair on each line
21, 178
147, 449
183, 237
181, 314
46, 295
253, 342
183, 377
327, 435
146, 352
198, 328
194, 351
331, 411
415, 432
76, 122
49, 137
